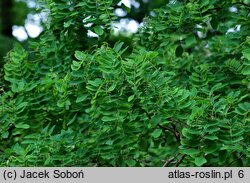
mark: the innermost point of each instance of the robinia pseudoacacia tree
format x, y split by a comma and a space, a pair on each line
178, 96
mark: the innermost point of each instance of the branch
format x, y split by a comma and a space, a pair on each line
229, 164
170, 160
179, 122
177, 133
149, 117
166, 128
26, 31
180, 161
174, 131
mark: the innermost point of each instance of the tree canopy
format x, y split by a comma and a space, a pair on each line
176, 95
12, 13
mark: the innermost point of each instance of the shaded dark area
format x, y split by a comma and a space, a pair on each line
6, 17
6, 22
11, 13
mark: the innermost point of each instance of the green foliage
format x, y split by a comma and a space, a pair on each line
4, 48
178, 97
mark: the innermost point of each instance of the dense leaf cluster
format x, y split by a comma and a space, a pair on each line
179, 98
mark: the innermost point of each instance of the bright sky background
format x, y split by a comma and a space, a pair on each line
33, 29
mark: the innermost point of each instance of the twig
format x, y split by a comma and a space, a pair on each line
166, 128
177, 134
180, 161
149, 117
235, 160
174, 131
170, 160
